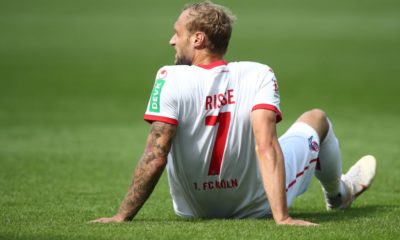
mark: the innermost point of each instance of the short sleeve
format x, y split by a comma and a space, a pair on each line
163, 105
267, 94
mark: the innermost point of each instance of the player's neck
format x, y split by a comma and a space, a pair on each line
206, 59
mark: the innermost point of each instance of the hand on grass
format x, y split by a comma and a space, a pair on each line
114, 219
297, 222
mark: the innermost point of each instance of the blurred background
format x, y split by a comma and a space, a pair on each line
75, 78
94, 61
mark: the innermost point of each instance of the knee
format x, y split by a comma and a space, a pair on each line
318, 120
318, 115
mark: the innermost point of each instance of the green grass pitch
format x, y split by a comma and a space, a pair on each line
75, 77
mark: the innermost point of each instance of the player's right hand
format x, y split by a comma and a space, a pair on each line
114, 219
297, 222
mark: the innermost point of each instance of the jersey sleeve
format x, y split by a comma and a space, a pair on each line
267, 94
163, 104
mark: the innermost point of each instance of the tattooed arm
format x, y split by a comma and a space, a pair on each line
147, 173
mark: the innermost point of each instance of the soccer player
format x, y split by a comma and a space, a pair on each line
213, 126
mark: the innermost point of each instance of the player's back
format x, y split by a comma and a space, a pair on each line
212, 166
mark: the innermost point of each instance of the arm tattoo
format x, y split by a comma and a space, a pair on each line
149, 168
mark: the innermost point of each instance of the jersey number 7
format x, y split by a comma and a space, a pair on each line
224, 120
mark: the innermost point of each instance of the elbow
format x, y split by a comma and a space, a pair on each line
268, 151
264, 148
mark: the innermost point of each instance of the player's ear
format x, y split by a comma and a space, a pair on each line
199, 39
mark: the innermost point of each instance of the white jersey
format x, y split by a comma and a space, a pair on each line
212, 166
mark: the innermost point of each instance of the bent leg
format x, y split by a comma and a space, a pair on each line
340, 190
329, 170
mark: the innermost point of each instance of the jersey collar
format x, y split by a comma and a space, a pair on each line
213, 64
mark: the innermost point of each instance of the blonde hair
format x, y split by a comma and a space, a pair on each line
214, 20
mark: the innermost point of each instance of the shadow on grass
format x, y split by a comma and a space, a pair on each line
352, 213
317, 216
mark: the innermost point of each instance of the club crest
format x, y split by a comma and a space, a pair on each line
313, 145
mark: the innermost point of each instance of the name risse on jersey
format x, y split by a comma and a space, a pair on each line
218, 100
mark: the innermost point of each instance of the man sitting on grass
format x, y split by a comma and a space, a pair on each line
213, 126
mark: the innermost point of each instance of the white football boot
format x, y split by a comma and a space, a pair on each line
355, 182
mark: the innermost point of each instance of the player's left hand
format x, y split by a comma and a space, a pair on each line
297, 222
